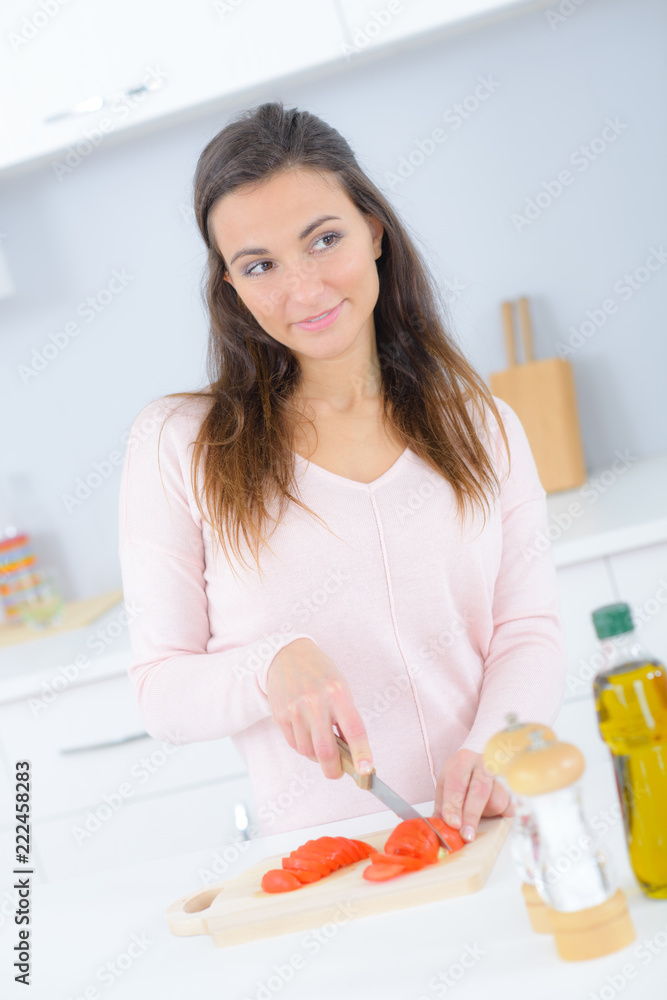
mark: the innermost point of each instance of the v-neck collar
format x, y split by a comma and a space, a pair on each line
353, 482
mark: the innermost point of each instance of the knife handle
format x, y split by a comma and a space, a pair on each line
363, 780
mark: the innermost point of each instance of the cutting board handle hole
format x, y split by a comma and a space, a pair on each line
202, 900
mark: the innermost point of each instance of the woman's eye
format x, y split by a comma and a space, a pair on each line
329, 236
251, 269
333, 237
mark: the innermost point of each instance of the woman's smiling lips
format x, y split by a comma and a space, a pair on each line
326, 320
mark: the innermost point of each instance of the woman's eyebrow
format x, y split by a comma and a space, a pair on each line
252, 252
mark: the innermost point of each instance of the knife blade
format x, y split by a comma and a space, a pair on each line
371, 783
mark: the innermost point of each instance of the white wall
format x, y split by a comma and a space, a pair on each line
126, 208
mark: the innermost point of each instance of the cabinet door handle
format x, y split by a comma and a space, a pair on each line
107, 743
95, 103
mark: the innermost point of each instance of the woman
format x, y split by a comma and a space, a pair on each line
397, 593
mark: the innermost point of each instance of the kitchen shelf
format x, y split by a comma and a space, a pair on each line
77, 614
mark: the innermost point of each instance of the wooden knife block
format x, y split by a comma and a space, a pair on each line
542, 394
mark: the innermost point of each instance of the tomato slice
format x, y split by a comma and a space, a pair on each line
366, 848
333, 849
278, 880
399, 859
306, 864
304, 876
382, 872
353, 850
327, 845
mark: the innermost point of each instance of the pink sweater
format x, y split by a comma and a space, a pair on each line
439, 631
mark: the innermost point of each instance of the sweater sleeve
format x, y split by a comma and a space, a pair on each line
525, 668
184, 693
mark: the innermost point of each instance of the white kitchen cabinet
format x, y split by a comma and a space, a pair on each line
93, 713
193, 55
145, 830
582, 588
159, 59
375, 23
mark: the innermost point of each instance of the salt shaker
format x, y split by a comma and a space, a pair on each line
588, 913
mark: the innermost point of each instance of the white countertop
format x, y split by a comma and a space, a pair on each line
82, 924
621, 506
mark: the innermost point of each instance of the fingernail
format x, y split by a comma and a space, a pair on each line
451, 819
364, 767
467, 833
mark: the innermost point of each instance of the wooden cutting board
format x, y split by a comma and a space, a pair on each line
542, 394
238, 910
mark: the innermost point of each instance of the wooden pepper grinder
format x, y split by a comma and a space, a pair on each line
589, 914
499, 753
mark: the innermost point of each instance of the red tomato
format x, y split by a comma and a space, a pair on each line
453, 838
302, 875
382, 872
413, 864
278, 880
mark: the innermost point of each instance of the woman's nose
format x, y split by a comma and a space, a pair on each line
303, 282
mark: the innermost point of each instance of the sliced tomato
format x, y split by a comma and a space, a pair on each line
278, 880
310, 854
328, 846
399, 859
350, 850
413, 837
367, 849
304, 876
331, 848
305, 864
382, 872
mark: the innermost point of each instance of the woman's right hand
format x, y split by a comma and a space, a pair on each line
307, 694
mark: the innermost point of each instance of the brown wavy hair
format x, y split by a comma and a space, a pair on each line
246, 438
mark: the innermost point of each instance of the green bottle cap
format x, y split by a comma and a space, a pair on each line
612, 619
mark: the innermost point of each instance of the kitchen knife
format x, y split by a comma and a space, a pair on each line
371, 783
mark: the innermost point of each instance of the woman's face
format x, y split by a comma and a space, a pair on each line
288, 263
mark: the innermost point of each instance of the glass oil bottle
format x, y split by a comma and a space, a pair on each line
631, 703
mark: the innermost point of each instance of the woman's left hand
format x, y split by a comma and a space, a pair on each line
466, 791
